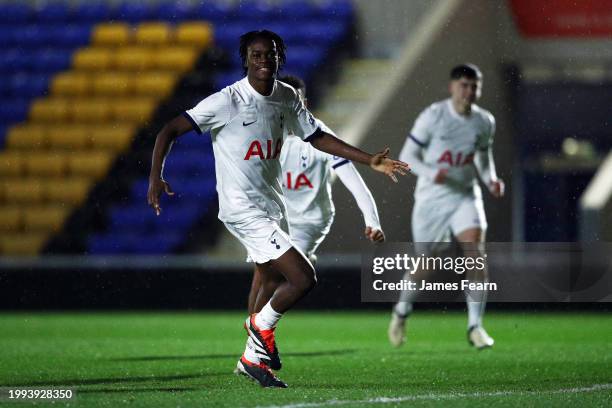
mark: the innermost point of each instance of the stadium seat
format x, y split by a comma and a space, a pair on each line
89, 164
178, 59
49, 110
68, 137
28, 85
93, 11
114, 138
26, 137
159, 84
16, 13
153, 34
45, 164
135, 58
194, 34
55, 12
72, 36
135, 12
175, 11
90, 110
51, 60
111, 34
16, 111
44, 218
11, 164
111, 83
71, 84
23, 244
135, 110
67, 191
93, 59
11, 219
22, 191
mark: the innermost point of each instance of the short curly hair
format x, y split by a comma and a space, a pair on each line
250, 37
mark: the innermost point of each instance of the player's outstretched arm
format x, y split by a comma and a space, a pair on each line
379, 161
350, 177
163, 142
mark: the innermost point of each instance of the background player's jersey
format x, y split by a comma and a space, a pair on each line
450, 141
247, 132
306, 186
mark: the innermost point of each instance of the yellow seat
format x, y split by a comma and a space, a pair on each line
67, 191
194, 34
93, 59
11, 164
159, 84
153, 34
49, 110
68, 137
134, 58
111, 83
177, 59
23, 191
90, 110
45, 164
116, 138
10, 218
20, 244
94, 165
26, 137
137, 110
45, 218
71, 84
111, 34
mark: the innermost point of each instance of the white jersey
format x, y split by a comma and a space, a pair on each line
247, 131
306, 180
450, 141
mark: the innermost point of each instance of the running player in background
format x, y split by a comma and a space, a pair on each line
308, 199
247, 121
448, 147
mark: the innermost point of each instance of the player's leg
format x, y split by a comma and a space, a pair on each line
255, 288
469, 226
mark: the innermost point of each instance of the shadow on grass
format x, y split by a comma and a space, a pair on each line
136, 390
114, 380
221, 356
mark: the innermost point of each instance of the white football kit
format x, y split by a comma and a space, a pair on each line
308, 191
443, 139
248, 131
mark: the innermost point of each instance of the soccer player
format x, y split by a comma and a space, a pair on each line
449, 146
247, 121
308, 198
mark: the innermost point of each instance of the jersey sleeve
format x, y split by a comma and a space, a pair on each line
485, 139
421, 130
301, 122
211, 113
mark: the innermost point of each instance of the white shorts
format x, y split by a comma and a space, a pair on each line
434, 222
263, 238
308, 237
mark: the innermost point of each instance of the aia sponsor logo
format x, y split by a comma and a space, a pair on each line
271, 150
295, 183
457, 160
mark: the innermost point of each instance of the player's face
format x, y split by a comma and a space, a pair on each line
262, 60
465, 91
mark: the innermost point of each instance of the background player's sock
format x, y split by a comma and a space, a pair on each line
403, 307
267, 318
473, 309
249, 352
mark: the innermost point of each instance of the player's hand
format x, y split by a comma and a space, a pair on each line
441, 176
497, 188
382, 163
374, 235
156, 188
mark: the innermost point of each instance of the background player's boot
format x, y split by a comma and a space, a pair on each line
479, 338
258, 372
264, 339
397, 330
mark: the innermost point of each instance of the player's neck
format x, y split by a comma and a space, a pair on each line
462, 109
262, 87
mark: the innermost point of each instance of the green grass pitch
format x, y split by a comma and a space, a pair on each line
330, 359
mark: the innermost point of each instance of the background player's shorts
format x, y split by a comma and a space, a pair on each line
308, 237
263, 238
434, 222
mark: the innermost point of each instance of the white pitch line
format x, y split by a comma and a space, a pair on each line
433, 396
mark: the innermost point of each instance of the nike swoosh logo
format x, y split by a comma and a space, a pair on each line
248, 123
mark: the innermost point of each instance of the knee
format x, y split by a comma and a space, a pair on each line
307, 282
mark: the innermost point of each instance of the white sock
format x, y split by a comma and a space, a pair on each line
404, 306
249, 352
473, 309
267, 318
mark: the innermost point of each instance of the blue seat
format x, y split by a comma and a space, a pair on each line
195, 142
340, 10
15, 13
163, 242
326, 33
111, 244
255, 10
186, 163
15, 111
215, 11
28, 85
15, 60
135, 12
2, 136
134, 217
175, 11
201, 189
227, 78
34, 36
55, 12
72, 36
297, 11
93, 12
52, 60
178, 217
